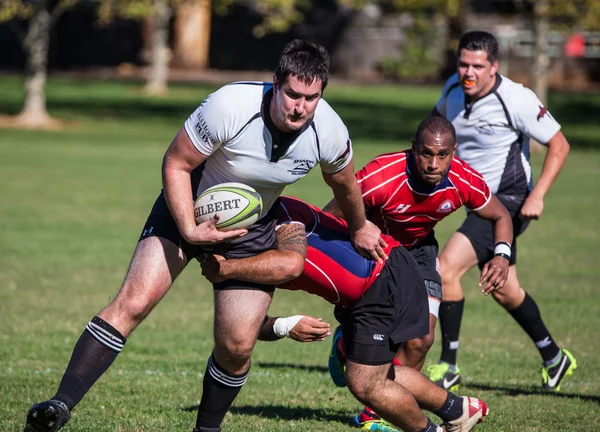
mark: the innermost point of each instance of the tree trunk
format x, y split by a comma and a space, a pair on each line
159, 67
192, 34
34, 113
541, 64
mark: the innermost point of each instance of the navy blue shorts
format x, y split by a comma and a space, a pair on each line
260, 238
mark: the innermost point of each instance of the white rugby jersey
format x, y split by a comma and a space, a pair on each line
493, 133
234, 128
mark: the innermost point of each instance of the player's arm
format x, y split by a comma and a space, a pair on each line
495, 273
179, 160
333, 208
301, 328
366, 237
558, 149
272, 267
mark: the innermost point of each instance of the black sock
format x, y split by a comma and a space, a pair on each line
450, 317
452, 408
94, 352
219, 390
431, 426
527, 314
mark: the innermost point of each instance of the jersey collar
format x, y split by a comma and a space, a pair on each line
280, 141
469, 104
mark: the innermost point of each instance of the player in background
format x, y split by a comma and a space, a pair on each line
266, 135
379, 305
406, 194
494, 119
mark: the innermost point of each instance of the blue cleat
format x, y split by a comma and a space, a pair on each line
337, 360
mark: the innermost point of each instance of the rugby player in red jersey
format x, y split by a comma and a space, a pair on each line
406, 194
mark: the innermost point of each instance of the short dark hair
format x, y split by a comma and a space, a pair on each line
308, 61
434, 125
480, 41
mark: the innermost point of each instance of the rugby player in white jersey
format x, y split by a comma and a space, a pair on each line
494, 119
266, 135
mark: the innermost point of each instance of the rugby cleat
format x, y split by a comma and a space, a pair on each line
474, 410
553, 375
442, 376
48, 416
337, 359
369, 421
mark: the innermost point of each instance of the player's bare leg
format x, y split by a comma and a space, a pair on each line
456, 259
239, 315
155, 265
156, 262
458, 413
371, 386
511, 295
413, 352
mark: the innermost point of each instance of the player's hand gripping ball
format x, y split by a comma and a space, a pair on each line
238, 206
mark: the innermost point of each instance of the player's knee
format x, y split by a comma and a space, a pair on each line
363, 385
360, 388
450, 275
422, 345
138, 308
237, 352
510, 298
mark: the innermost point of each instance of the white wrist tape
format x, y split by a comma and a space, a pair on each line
282, 326
502, 248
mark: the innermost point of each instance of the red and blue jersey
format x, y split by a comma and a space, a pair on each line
333, 269
405, 207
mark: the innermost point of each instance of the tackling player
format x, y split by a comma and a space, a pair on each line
379, 305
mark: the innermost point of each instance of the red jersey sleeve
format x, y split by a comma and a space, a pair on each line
473, 189
374, 180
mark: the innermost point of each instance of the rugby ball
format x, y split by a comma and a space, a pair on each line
237, 204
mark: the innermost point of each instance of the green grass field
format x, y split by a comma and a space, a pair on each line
72, 207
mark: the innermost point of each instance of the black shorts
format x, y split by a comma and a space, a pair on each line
261, 237
480, 232
425, 254
393, 310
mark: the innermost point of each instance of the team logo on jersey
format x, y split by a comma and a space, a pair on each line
402, 208
484, 127
302, 168
542, 113
445, 207
202, 130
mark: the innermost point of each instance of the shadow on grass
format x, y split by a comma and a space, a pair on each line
301, 367
522, 390
281, 412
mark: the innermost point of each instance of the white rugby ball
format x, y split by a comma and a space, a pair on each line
237, 204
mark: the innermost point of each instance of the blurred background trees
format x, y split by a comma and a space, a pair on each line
400, 40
